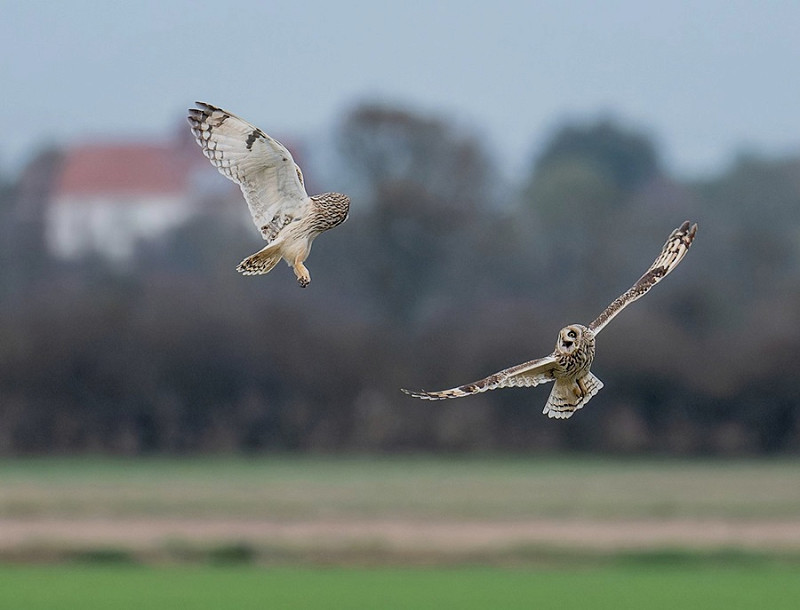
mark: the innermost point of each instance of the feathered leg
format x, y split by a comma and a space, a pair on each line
569, 396
303, 276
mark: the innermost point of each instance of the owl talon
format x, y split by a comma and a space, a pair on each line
303, 276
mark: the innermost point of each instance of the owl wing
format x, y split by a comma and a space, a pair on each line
264, 169
672, 253
527, 374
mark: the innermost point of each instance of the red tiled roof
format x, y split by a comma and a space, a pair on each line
129, 169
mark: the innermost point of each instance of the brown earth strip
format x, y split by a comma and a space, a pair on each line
405, 535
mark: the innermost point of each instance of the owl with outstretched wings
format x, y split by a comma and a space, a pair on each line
272, 185
569, 364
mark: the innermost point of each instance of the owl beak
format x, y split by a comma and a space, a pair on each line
567, 344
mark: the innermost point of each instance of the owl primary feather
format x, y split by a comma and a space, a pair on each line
569, 364
272, 185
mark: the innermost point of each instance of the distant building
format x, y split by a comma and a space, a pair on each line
108, 197
105, 199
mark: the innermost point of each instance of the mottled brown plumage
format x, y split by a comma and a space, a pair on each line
272, 185
570, 363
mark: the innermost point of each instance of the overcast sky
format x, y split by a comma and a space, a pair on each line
706, 79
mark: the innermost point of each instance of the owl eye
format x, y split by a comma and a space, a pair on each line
571, 334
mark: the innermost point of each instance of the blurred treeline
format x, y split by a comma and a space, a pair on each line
447, 270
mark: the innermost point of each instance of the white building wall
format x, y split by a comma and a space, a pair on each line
111, 226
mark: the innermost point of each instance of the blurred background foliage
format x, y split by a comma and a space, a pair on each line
446, 271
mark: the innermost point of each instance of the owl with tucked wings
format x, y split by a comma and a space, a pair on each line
272, 185
568, 366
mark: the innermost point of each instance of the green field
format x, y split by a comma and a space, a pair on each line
107, 533
620, 587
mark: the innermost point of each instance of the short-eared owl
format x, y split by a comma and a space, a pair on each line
272, 185
571, 360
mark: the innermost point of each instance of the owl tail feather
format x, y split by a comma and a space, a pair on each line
567, 397
261, 262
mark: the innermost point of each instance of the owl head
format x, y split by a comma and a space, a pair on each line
335, 208
572, 338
